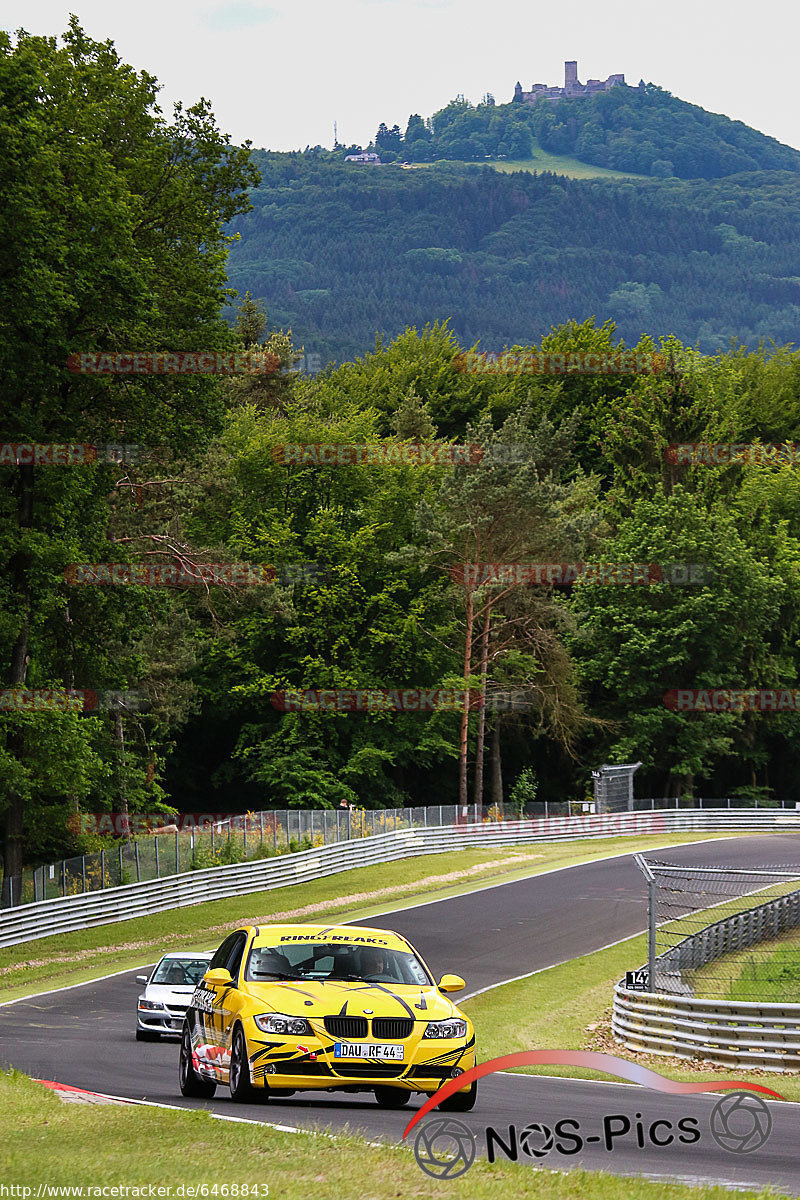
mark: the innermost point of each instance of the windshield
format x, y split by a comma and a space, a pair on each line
324, 961
180, 972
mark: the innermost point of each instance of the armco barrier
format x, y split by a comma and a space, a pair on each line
42, 919
743, 929
732, 1033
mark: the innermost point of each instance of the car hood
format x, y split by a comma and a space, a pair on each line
309, 998
166, 993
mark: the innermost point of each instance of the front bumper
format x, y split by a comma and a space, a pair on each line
167, 1022
308, 1066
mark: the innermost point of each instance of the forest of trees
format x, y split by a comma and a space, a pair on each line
337, 251
125, 249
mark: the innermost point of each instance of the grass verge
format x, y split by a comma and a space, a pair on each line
562, 164
569, 1007
768, 971
70, 958
51, 1143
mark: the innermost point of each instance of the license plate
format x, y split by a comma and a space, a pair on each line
367, 1050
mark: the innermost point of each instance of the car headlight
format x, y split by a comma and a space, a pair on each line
151, 1005
281, 1023
454, 1028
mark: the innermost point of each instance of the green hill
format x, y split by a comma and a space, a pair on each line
338, 251
644, 131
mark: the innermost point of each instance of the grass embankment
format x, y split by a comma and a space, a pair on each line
70, 958
569, 1007
768, 971
562, 164
48, 1142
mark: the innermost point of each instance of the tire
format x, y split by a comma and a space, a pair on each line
191, 1083
146, 1035
241, 1088
389, 1097
460, 1101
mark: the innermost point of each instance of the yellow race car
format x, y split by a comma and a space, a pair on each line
333, 1007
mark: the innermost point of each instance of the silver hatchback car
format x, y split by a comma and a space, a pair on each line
168, 990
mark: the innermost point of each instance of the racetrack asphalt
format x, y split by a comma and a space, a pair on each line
84, 1036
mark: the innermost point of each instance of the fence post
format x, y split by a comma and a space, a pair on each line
212, 840
275, 830
120, 863
440, 815
36, 890
651, 935
546, 809
244, 837
177, 860
158, 865
102, 869
83, 871
136, 852
63, 877
261, 824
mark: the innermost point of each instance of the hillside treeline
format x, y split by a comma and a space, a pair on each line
337, 252
644, 130
368, 577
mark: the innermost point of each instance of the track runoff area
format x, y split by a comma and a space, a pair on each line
83, 1036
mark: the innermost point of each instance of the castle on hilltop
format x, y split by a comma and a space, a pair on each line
572, 87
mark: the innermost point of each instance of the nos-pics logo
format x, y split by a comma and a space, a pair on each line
445, 1148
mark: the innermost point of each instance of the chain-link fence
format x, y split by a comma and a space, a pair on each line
723, 932
235, 839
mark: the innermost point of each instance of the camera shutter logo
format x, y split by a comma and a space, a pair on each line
536, 1140
444, 1148
740, 1122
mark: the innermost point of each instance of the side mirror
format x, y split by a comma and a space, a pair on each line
219, 977
142, 978
451, 983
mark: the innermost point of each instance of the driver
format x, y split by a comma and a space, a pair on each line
176, 974
373, 963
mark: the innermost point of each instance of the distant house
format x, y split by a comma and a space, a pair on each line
364, 157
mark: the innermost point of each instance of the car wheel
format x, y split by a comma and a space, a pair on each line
461, 1101
242, 1089
389, 1097
191, 1083
145, 1035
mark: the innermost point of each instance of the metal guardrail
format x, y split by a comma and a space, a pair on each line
671, 1020
732, 1033
45, 918
747, 928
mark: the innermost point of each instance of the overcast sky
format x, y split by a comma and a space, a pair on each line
282, 71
